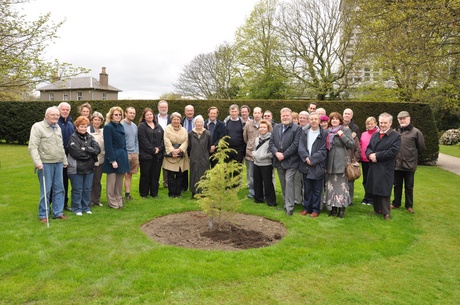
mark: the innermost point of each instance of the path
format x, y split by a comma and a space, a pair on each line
449, 163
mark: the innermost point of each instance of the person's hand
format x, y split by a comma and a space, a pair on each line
39, 166
114, 164
279, 156
372, 157
213, 148
309, 162
340, 133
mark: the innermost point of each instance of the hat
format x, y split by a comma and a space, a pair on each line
324, 118
403, 114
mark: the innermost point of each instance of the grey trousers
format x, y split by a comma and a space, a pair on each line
286, 177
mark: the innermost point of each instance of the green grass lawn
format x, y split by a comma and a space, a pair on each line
105, 258
451, 150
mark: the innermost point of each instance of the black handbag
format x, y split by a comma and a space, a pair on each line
175, 146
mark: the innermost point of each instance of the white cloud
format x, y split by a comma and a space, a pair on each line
143, 44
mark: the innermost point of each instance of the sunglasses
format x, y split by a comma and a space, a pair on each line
117, 114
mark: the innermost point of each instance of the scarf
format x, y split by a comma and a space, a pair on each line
330, 136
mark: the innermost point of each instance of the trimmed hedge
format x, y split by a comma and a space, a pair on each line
17, 117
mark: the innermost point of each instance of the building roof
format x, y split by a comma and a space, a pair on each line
76, 83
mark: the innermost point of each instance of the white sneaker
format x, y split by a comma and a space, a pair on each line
79, 214
89, 212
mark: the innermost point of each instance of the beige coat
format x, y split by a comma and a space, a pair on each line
45, 144
171, 137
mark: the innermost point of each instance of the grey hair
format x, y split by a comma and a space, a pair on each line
198, 117
176, 114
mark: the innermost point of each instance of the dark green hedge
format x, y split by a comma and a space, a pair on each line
17, 117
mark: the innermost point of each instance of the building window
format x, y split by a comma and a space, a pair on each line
65, 97
104, 96
79, 96
51, 97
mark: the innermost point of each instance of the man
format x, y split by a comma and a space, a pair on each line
217, 129
356, 152
312, 107
284, 144
47, 152
313, 155
268, 115
132, 146
67, 128
321, 111
250, 133
412, 143
234, 129
187, 123
381, 152
245, 114
164, 120
304, 119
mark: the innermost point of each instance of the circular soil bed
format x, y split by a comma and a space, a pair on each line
190, 230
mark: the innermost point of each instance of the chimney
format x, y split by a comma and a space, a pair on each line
55, 77
104, 78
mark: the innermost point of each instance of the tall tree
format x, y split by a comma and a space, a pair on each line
22, 47
209, 75
316, 38
258, 47
414, 43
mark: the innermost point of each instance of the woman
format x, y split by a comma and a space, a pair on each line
295, 117
199, 146
338, 143
176, 159
85, 110
263, 166
151, 147
116, 157
83, 150
324, 122
371, 128
96, 131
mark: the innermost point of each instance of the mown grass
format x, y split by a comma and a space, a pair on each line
105, 258
451, 150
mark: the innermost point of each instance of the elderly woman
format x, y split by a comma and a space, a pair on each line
95, 129
83, 150
176, 159
151, 148
116, 162
339, 142
199, 145
371, 128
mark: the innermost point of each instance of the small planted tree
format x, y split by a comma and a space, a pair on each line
220, 186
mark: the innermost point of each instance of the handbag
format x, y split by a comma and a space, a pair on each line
352, 170
175, 146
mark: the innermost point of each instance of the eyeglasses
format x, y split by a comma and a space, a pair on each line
117, 114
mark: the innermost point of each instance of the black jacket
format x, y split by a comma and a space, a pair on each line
219, 131
149, 139
83, 150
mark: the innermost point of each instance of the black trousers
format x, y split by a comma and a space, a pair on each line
406, 178
263, 184
150, 177
174, 183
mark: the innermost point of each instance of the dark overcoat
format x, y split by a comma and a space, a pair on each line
286, 142
115, 149
198, 147
317, 155
380, 176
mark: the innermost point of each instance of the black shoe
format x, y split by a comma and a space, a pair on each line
333, 212
67, 209
341, 212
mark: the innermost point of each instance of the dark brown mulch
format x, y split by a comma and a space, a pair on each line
190, 230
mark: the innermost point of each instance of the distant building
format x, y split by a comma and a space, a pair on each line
80, 89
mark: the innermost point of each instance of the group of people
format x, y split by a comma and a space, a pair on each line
309, 150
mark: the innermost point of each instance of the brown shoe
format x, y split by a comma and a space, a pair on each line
393, 207
314, 215
62, 217
410, 210
43, 220
304, 213
387, 217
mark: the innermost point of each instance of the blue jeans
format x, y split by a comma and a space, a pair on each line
53, 180
250, 176
81, 191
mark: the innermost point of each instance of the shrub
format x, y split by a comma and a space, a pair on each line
450, 137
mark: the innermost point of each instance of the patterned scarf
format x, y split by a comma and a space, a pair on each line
330, 136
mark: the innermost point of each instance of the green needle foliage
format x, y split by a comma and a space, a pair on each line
220, 186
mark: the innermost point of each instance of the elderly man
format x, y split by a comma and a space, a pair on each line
412, 143
304, 119
250, 133
163, 119
67, 128
381, 152
187, 123
284, 144
47, 151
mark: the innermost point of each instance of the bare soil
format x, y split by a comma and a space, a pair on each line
190, 230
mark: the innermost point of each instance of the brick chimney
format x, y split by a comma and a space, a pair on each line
103, 78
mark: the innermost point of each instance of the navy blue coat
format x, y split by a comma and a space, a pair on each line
286, 143
115, 149
380, 176
219, 131
317, 155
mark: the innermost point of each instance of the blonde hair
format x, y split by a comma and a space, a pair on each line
110, 114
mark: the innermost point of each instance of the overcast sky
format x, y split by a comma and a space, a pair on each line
144, 44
